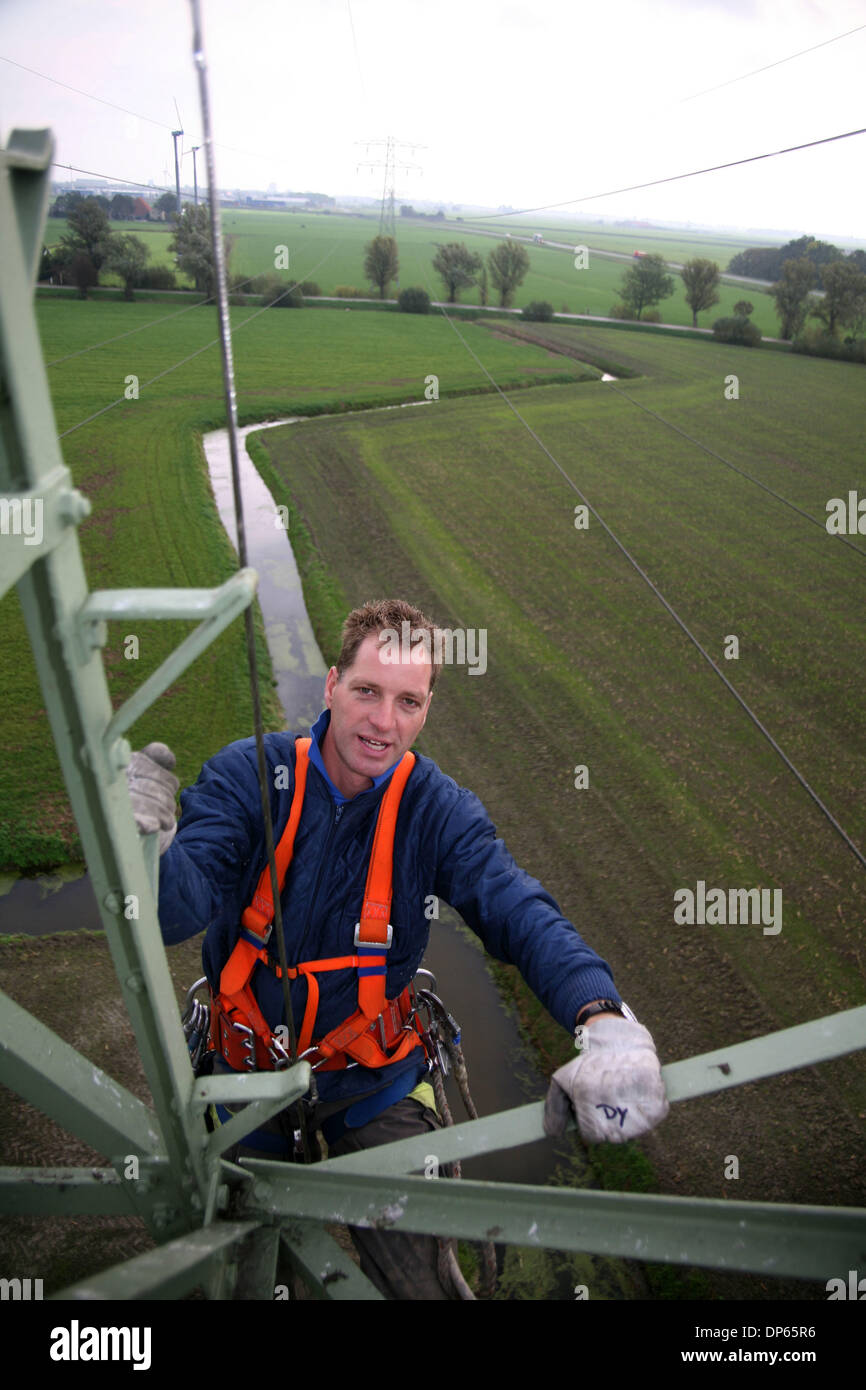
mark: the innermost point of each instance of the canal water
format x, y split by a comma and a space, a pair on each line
501, 1071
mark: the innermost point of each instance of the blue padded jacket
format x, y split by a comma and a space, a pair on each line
445, 846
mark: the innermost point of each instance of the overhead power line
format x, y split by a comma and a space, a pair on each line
90, 96
176, 313
357, 55
113, 178
674, 178
820, 522
767, 66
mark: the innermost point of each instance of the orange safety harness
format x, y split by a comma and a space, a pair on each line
380, 1032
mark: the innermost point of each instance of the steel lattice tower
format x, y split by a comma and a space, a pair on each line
387, 220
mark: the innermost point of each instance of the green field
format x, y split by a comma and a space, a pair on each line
329, 249
155, 235
676, 246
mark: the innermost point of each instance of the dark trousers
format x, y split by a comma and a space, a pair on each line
401, 1265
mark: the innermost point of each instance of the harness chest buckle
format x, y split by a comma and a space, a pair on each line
379, 945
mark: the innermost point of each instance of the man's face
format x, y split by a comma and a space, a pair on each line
377, 711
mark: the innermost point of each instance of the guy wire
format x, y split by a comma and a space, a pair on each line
232, 419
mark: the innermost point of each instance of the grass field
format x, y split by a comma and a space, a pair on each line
676, 246
329, 249
155, 235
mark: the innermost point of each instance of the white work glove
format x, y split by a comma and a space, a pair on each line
614, 1087
152, 791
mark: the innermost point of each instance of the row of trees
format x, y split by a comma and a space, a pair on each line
122, 207
457, 266
841, 306
90, 246
646, 283
767, 262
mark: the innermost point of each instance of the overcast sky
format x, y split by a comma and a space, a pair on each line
505, 101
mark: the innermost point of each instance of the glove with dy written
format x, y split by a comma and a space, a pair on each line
614, 1087
152, 791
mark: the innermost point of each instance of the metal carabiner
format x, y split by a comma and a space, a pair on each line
192, 991
278, 1054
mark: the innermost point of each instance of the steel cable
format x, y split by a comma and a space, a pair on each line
232, 420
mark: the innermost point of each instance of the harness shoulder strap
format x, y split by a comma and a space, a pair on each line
257, 918
373, 932
376, 908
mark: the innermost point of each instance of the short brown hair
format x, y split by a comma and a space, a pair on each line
375, 616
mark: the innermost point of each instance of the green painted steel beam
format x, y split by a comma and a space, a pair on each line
255, 1274
220, 606
28, 154
275, 1090
327, 1271
63, 1192
487, 1134
76, 697
766, 1238
169, 1271
119, 605
53, 594
36, 517
60, 1082
236, 1089
805, 1044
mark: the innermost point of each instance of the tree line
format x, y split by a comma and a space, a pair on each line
457, 267
90, 245
767, 262
842, 305
122, 207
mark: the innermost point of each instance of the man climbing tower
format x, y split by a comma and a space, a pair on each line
361, 810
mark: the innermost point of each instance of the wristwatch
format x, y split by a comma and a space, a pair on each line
603, 1006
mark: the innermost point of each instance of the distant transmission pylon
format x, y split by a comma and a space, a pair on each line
387, 221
